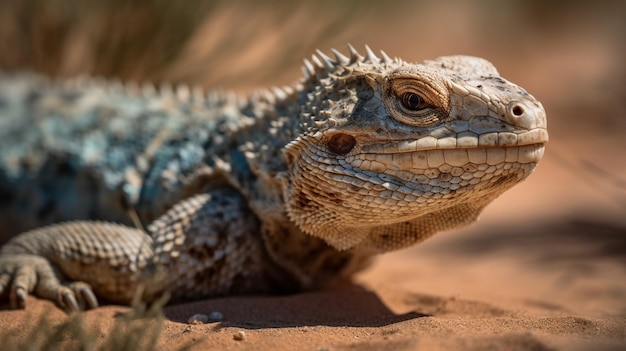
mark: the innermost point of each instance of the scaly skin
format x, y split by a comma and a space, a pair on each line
281, 191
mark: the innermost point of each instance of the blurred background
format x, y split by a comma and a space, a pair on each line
570, 55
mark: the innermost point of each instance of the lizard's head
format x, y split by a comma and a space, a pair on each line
392, 152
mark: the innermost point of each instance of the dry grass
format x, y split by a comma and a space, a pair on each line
247, 43
159, 40
136, 330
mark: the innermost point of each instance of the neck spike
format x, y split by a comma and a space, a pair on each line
371, 56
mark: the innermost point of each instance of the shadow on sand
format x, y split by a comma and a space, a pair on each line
349, 305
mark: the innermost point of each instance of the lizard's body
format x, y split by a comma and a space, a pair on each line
279, 191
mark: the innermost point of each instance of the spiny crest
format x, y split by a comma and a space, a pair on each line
185, 93
321, 64
274, 95
147, 90
318, 67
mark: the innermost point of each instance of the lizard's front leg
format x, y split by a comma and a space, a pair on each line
205, 245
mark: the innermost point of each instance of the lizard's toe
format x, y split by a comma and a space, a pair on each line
5, 280
67, 300
84, 294
75, 297
23, 279
18, 297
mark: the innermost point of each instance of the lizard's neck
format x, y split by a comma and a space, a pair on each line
310, 261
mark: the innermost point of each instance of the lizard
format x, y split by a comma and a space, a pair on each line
125, 189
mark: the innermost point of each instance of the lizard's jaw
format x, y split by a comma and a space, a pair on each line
349, 200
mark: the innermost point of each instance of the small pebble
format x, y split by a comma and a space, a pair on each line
239, 336
216, 316
198, 318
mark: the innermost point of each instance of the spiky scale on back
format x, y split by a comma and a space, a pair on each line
284, 190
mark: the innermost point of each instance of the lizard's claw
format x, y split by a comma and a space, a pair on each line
18, 298
24, 274
75, 297
67, 300
16, 280
86, 297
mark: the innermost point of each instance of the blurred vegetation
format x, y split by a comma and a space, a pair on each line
246, 43
162, 39
114, 37
135, 330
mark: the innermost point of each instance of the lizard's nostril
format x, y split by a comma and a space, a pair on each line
525, 115
517, 110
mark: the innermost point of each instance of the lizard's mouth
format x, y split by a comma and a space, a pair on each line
459, 157
466, 140
466, 150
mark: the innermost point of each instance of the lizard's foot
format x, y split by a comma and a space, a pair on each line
24, 274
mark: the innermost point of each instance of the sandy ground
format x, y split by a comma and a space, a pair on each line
544, 268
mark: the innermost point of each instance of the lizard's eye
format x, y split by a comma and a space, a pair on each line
413, 102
